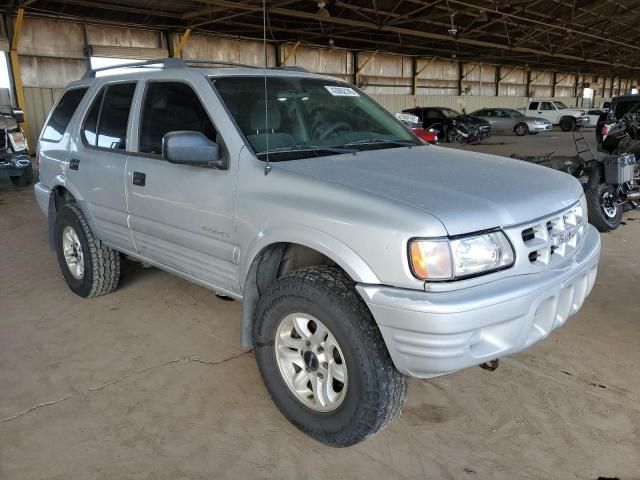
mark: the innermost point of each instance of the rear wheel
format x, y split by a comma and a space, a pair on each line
323, 359
604, 212
568, 124
23, 180
521, 129
88, 265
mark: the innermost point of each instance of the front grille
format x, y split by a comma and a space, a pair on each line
554, 238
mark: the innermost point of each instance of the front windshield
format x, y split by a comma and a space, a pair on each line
514, 113
308, 117
560, 105
450, 113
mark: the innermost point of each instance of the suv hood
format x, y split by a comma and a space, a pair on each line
466, 191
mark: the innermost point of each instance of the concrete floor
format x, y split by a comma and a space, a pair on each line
150, 383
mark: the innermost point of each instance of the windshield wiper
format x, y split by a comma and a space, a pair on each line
381, 141
307, 148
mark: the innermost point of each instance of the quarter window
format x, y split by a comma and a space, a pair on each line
90, 127
106, 123
61, 116
169, 107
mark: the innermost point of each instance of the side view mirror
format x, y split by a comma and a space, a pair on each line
187, 147
18, 115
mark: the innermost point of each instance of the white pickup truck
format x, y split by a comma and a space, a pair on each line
557, 113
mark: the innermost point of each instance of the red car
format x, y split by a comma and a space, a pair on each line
427, 135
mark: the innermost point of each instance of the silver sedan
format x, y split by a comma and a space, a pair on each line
508, 120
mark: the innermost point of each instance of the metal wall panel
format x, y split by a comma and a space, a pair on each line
50, 72
123, 37
330, 61
440, 77
51, 38
200, 47
479, 79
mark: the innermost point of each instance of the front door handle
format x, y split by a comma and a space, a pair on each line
139, 179
74, 164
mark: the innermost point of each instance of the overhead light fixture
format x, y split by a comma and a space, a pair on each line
453, 31
482, 16
331, 42
322, 9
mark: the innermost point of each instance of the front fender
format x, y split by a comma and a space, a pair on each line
59, 181
341, 254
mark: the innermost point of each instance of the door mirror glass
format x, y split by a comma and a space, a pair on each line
192, 148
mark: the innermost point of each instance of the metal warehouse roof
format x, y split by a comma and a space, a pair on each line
596, 36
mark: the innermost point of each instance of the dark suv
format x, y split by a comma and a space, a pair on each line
622, 108
451, 125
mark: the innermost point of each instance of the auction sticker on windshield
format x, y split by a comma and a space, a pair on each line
341, 91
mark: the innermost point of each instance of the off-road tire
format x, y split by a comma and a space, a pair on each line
597, 217
568, 124
376, 390
521, 129
23, 180
101, 263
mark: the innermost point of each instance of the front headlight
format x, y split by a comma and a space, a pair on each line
454, 259
582, 210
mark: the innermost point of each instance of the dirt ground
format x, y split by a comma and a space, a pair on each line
150, 383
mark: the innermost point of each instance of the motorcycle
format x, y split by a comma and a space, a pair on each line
611, 184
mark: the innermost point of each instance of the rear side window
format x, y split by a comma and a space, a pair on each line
533, 106
105, 125
168, 107
61, 116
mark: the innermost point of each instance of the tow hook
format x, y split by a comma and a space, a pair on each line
490, 366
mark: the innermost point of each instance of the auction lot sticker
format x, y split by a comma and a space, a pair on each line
341, 91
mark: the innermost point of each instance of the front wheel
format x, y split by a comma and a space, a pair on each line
521, 129
568, 124
323, 359
604, 212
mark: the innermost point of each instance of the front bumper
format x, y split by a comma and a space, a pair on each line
583, 121
538, 127
429, 334
42, 197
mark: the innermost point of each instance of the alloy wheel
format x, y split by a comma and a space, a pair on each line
73, 252
311, 362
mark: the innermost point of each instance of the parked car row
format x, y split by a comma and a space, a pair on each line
448, 125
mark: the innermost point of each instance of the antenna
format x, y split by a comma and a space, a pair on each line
267, 166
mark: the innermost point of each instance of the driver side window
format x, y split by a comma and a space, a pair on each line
547, 106
433, 114
169, 107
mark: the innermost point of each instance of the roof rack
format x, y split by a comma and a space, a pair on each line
182, 63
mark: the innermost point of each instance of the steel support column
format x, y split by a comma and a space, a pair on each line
15, 68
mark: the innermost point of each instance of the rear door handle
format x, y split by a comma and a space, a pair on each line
74, 164
139, 179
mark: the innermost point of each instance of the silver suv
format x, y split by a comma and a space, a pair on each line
361, 255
